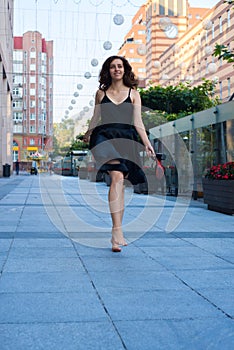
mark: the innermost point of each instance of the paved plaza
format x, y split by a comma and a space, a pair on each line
62, 288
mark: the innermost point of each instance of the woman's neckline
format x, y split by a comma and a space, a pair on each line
118, 103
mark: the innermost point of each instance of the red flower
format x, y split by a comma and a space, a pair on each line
221, 171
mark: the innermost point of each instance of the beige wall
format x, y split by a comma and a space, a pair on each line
6, 51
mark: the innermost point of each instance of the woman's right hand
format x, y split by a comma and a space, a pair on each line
86, 136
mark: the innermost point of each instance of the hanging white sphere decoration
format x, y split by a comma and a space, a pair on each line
66, 112
207, 24
79, 86
87, 75
76, 94
208, 50
79, 118
94, 62
91, 103
141, 50
157, 64
215, 79
107, 45
165, 23
70, 107
86, 109
118, 19
73, 102
82, 113
212, 68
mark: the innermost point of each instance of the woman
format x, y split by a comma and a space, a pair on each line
114, 132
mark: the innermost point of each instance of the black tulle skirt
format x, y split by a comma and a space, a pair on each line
118, 142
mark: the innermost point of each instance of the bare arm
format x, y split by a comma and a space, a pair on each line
96, 115
138, 123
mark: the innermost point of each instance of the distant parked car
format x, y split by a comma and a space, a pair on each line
33, 170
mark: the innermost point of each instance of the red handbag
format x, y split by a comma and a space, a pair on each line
159, 170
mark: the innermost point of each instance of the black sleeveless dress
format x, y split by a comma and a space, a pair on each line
117, 139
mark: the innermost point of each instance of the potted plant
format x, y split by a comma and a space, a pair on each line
218, 188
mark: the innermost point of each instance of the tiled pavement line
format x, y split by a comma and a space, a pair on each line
187, 284
99, 297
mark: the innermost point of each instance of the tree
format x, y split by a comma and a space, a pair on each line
78, 143
173, 102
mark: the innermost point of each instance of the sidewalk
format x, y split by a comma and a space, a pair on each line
61, 287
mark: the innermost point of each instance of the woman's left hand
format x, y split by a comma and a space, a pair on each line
149, 150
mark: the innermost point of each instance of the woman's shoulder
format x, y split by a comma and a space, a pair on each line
135, 95
99, 95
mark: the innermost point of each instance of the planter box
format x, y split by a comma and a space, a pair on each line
219, 195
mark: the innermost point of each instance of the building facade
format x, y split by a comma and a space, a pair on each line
133, 47
32, 96
6, 51
191, 57
166, 21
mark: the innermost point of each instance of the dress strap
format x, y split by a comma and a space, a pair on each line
129, 92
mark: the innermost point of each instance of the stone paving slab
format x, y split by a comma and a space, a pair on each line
61, 287
192, 334
98, 335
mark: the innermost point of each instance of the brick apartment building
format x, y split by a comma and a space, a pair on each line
32, 96
191, 59
6, 51
146, 41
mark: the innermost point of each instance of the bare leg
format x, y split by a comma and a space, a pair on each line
116, 204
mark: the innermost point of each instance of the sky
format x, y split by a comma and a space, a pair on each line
78, 28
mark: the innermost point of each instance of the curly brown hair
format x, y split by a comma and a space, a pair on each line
105, 80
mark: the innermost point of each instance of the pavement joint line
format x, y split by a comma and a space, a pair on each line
187, 285
206, 250
99, 296
7, 256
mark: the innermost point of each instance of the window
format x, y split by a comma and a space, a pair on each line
17, 92
170, 7
221, 62
18, 79
32, 142
220, 90
33, 54
180, 9
32, 103
32, 67
32, 92
17, 116
43, 56
32, 129
131, 50
32, 79
17, 128
17, 104
213, 30
229, 86
141, 70
141, 32
17, 55
220, 25
18, 68
32, 116
136, 60
161, 7
228, 18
